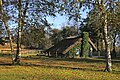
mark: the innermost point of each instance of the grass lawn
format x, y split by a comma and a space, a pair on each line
36, 68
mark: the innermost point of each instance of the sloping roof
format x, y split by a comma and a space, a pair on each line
66, 44
92, 44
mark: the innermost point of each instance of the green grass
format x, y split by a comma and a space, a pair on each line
36, 68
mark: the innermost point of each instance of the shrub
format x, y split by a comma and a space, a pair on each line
85, 44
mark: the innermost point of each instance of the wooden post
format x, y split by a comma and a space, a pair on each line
56, 54
48, 54
98, 53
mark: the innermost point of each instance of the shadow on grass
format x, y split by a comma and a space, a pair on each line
87, 60
60, 67
80, 60
116, 72
47, 66
3, 63
5, 55
5, 60
92, 60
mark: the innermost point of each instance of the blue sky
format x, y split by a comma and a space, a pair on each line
57, 21
60, 21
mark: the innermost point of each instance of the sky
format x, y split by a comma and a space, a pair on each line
57, 21
60, 21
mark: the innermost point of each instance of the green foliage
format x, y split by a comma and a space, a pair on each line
1, 40
57, 34
85, 44
68, 31
36, 37
74, 50
95, 20
1, 28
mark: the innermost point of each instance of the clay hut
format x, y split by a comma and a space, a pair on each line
63, 47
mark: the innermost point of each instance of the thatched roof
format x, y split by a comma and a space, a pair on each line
66, 44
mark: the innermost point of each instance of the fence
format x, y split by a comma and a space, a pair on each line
25, 51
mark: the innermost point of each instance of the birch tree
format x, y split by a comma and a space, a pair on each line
105, 8
21, 16
38, 10
4, 19
103, 13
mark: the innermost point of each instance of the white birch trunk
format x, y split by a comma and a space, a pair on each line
18, 54
4, 19
107, 48
20, 26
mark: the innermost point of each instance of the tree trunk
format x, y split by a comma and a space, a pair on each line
20, 26
18, 54
102, 43
107, 48
4, 19
98, 47
10, 39
114, 52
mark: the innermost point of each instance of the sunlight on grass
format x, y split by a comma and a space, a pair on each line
58, 69
45, 73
